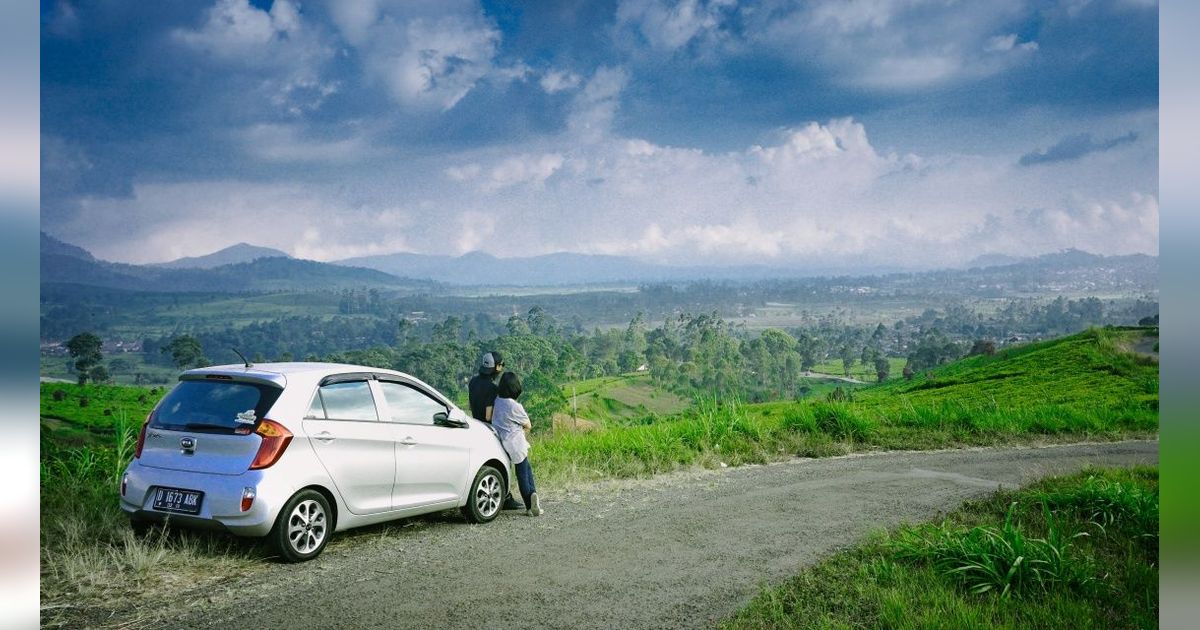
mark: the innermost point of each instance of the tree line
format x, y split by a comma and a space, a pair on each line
686, 353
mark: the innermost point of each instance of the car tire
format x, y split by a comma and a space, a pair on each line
487, 495
303, 527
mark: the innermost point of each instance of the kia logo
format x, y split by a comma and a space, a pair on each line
187, 444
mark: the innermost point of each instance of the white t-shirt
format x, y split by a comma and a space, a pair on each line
509, 419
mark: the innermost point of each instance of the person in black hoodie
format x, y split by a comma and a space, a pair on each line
481, 392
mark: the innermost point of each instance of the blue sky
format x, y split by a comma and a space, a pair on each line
854, 133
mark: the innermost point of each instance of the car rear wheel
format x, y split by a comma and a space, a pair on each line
302, 527
487, 495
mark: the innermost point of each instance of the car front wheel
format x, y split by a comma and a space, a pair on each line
302, 527
487, 495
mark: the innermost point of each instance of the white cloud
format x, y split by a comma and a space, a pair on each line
594, 107
890, 44
164, 221
285, 143
1005, 43
427, 55
554, 81
476, 232
672, 24
235, 30
819, 194
276, 47
523, 169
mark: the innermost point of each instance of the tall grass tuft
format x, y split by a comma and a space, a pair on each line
1002, 559
1109, 503
842, 421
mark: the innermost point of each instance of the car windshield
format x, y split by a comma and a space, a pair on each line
214, 406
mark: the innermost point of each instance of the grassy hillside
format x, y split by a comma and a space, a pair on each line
1086, 386
620, 400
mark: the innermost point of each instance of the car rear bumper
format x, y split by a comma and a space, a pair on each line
220, 507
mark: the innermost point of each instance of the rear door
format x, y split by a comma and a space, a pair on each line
431, 460
356, 448
206, 425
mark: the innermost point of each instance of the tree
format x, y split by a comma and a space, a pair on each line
120, 366
541, 323
984, 347
882, 368
908, 371
85, 349
99, 374
847, 355
517, 326
542, 399
186, 352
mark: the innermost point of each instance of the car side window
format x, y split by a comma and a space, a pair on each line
316, 410
410, 405
348, 401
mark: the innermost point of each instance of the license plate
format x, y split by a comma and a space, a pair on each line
176, 500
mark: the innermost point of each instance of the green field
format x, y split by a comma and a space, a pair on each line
1072, 552
862, 372
1084, 387
123, 369
620, 400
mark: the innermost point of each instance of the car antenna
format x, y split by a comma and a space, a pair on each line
242, 357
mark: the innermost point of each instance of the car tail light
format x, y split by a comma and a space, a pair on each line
275, 438
124, 483
137, 451
247, 498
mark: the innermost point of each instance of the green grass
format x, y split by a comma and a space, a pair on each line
1083, 387
96, 406
622, 400
1069, 552
123, 369
860, 371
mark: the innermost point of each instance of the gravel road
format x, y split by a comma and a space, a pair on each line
678, 551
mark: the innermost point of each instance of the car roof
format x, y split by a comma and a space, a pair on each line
278, 372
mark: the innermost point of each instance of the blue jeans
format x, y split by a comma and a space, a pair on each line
525, 481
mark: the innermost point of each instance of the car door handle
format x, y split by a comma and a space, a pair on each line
408, 441
324, 436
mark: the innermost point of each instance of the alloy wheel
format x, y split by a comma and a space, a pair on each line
306, 526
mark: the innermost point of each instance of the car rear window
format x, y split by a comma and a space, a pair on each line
214, 406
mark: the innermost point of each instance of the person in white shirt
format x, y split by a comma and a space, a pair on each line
511, 423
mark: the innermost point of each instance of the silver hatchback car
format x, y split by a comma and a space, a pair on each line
297, 451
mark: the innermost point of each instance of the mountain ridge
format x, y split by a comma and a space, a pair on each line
234, 254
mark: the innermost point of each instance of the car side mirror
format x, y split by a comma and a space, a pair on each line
443, 419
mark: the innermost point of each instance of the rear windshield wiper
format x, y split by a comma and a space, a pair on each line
206, 425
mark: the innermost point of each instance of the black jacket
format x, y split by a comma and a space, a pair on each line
482, 393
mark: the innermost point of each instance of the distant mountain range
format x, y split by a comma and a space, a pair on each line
244, 267
63, 263
232, 255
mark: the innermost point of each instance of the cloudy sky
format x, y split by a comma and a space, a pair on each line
847, 133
